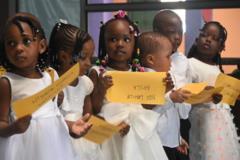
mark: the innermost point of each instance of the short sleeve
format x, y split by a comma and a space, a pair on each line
88, 85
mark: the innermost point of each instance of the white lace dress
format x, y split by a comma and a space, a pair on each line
142, 141
212, 135
72, 107
47, 137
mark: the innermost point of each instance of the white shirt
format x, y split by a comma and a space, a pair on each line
74, 97
169, 121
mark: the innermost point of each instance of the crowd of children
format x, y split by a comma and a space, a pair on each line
147, 132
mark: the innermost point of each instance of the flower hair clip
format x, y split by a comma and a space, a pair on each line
133, 31
120, 14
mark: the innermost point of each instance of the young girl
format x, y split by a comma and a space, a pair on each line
117, 41
69, 45
212, 134
44, 134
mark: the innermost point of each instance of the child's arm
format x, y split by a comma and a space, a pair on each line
179, 96
18, 126
183, 147
101, 84
87, 108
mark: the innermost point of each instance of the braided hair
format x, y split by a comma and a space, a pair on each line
69, 38
222, 38
37, 31
133, 29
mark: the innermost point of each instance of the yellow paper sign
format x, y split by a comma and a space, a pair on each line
203, 96
195, 88
2, 70
137, 87
100, 131
231, 88
30, 104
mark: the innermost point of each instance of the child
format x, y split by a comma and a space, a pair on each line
69, 45
213, 134
169, 24
44, 134
117, 41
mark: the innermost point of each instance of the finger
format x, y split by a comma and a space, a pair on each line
86, 117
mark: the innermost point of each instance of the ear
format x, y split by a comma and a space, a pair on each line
221, 48
63, 57
43, 46
150, 59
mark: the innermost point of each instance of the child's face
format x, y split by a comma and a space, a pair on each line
119, 41
21, 49
87, 53
173, 30
161, 58
84, 58
208, 42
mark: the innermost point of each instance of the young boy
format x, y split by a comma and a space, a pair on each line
169, 24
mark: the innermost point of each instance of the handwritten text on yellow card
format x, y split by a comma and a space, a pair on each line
100, 131
137, 87
30, 104
231, 88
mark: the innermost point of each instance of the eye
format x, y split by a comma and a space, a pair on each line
203, 34
215, 38
27, 42
170, 32
82, 55
11, 43
113, 39
127, 39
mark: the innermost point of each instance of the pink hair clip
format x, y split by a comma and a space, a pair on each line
121, 14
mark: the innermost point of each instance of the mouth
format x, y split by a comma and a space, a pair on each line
119, 52
20, 58
206, 46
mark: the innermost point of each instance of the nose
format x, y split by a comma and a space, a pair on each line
19, 47
177, 37
209, 39
88, 63
120, 43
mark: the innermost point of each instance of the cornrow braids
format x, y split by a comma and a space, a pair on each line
222, 38
133, 29
37, 31
66, 37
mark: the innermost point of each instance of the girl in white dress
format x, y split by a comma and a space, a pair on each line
44, 135
117, 41
75, 46
212, 134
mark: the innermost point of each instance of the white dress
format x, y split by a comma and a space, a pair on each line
212, 135
169, 121
47, 137
72, 107
141, 142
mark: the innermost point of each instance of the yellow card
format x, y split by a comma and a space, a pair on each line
2, 70
231, 88
137, 87
195, 88
203, 96
100, 131
30, 104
